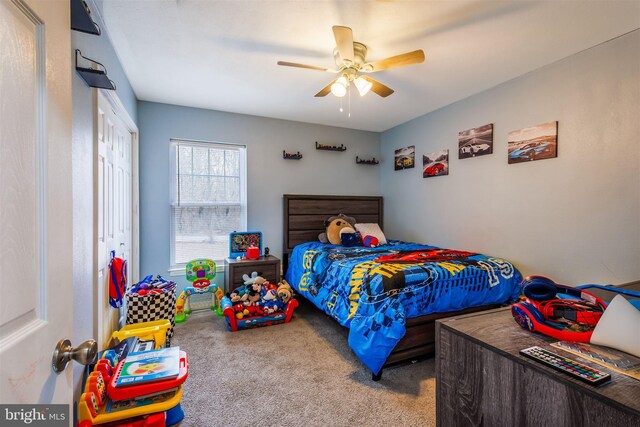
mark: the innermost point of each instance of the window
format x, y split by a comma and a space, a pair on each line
208, 199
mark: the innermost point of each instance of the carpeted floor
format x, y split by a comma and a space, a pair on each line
302, 373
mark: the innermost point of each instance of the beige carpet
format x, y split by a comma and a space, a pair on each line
302, 373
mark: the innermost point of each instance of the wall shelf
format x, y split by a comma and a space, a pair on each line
342, 147
81, 18
367, 161
291, 156
94, 77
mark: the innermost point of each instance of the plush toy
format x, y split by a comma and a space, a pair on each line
350, 237
270, 302
333, 225
246, 311
370, 241
252, 298
248, 280
284, 292
258, 284
238, 294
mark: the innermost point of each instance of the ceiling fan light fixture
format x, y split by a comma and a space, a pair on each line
363, 85
339, 87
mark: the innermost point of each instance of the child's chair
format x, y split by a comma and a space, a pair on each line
200, 272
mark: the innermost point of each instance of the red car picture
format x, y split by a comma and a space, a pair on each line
434, 169
435, 164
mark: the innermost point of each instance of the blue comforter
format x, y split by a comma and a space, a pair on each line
373, 291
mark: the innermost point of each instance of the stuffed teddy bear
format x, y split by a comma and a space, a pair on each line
333, 226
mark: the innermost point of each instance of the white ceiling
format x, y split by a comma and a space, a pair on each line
222, 55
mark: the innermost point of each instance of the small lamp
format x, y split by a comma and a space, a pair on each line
339, 87
363, 85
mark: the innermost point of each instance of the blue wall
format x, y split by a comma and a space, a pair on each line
575, 218
269, 176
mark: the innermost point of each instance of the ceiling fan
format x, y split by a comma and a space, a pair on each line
350, 58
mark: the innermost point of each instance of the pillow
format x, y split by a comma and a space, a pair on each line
372, 229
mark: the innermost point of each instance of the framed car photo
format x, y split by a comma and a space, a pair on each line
534, 143
239, 241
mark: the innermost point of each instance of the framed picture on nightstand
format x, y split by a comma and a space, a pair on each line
239, 241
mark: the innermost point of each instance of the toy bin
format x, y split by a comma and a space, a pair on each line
234, 324
157, 304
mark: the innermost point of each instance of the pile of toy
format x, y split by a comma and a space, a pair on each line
257, 297
258, 303
154, 377
152, 286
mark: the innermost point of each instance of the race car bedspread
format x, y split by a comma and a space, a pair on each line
373, 291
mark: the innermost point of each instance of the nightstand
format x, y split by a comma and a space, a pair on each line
267, 267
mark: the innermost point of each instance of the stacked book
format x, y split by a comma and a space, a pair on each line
149, 366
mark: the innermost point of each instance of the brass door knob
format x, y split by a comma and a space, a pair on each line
85, 354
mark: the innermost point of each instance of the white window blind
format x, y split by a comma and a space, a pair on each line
208, 199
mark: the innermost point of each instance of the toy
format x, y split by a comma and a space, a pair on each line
200, 272
235, 323
270, 302
238, 293
333, 226
117, 280
253, 252
571, 319
156, 331
370, 241
242, 310
248, 280
284, 292
350, 237
252, 297
239, 242
152, 404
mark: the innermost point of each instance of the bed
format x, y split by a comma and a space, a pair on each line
388, 296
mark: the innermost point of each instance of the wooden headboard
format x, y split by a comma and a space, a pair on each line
304, 216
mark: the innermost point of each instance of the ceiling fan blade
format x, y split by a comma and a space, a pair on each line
325, 90
344, 42
311, 67
378, 87
408, 58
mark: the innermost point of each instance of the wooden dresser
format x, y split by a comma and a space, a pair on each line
482, 379
267, 267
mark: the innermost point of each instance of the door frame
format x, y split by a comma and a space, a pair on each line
133, 265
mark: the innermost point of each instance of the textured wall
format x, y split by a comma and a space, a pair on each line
575, 218
269, 176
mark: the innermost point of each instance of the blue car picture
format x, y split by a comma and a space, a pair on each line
530, 151
533, 143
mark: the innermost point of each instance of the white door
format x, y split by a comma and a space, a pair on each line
113, 210
35, 200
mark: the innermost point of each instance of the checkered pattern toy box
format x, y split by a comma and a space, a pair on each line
156, 301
